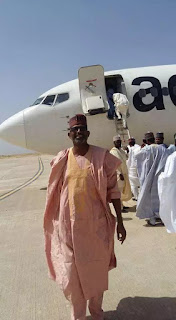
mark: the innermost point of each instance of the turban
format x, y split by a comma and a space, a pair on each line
149, 135
131, 139
115, 138
78, 119
160, 135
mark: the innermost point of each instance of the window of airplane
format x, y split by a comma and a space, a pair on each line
165, 91
142, 93
174, 91
62, 97
154, 92
49, 100
38, 101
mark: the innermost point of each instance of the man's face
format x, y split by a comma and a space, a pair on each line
118, 143
159, 140
79, 134
131, 143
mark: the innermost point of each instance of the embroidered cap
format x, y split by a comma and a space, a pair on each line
160, 135
78, 119
149, 135
115, 138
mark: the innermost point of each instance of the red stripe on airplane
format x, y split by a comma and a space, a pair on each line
91, 80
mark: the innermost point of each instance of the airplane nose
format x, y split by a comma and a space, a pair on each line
12, 130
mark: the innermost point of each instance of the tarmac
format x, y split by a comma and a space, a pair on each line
142, 287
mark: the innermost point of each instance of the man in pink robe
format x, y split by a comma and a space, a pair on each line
78, 224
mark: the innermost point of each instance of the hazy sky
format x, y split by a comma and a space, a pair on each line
43, 43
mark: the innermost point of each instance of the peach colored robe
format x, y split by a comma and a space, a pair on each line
80, 234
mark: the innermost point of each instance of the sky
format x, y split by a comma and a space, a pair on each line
44, 43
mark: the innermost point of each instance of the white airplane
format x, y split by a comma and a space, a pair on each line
151, 92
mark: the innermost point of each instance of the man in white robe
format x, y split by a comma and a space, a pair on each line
172, 147
167, 194
122, 171
150, 163
160, 139
132, 150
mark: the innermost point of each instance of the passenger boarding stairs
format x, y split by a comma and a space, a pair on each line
122, 130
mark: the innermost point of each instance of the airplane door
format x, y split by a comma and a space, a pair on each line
92, 89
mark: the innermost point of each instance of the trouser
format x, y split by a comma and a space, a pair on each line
78, 308
111, 110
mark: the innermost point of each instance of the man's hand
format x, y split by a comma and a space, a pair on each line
126, 149
121, 232
121, 177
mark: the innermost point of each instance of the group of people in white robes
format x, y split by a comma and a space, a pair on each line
148, 172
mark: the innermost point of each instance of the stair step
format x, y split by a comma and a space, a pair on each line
123, 132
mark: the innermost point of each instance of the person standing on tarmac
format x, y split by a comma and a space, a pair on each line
150, 163
122, 171
172, 147
78, 224
132, 150
159, 139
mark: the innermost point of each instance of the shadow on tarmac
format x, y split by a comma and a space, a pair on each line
158, 225
143, 308
132, 209
127, 219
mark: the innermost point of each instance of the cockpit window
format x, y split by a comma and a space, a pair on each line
38, 101
62, 97
49, 100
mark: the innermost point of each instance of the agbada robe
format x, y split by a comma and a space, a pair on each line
78, 224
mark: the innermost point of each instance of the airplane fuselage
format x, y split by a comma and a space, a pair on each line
151, 92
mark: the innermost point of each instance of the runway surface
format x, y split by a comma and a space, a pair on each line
142, 287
